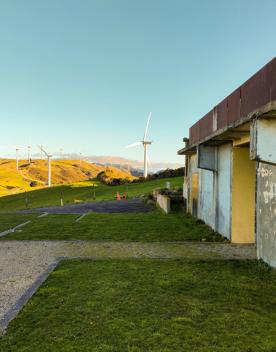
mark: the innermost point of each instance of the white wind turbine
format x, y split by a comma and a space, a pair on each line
41, 152
145, 144
17, 157
29, 153
49, 156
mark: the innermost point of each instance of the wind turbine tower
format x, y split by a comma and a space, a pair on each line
80, 158
49, 156
29, 153
145, 143
17, 158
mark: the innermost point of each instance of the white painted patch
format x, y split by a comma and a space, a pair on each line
266, 214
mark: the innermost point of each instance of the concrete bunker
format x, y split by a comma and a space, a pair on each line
231, 161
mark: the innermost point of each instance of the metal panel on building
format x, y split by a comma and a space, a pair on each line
206, 125
194, 133
207, 158
207, 198
271, 72
224, 190
255, 92
234, 106
222, 110
266, 213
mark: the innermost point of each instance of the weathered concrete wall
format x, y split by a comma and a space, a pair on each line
266, 213
243, 196
263, 140
207, 198
164, 202
213, 197
223, 216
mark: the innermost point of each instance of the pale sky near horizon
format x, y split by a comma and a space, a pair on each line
83, 75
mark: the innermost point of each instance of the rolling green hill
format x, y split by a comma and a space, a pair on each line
80, 191
31, 176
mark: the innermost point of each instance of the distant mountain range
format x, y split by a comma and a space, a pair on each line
134, 166
128, 164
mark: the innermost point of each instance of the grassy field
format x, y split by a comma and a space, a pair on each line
8, 221
143, 227
82, 191
150, 305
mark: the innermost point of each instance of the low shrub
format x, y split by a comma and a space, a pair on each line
115, 177
33, 184
167, 173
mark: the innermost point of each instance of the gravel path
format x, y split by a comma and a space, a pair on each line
24, 265
123, 206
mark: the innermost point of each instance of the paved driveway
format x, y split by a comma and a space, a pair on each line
116, 206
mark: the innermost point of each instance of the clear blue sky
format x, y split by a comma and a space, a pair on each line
83, 75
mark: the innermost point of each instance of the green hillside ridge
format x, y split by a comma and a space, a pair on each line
34, 175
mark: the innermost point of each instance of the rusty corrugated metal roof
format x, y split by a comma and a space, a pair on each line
255, 93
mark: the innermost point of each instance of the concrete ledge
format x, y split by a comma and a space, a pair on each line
164, 202
7, 232
14, 310
100, 250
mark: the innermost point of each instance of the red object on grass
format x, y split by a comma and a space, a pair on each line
120, 197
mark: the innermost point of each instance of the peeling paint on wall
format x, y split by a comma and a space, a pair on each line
266, 213
263, 140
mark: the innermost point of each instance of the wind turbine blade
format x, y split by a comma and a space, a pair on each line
147, 127
133, 145
40, 147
